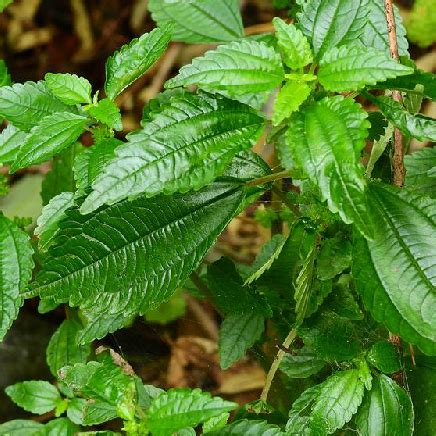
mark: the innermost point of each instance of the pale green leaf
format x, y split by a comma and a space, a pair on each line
52, 135
180, 408
5, 78
248, 427
384, 356
216, 422
238, 333
20, 427
386, 410
11, 139
237, 68
334, 257
421, 23
168, 311
349, 68
293, 44
301, 365
199, 21
134, 59
185, 146
108, 113
325, 140
69, 88
34, 396
396, 272
420, 171
290, 97
378, 148
15, 271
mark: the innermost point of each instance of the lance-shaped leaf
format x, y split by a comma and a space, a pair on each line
248, 427
328, 24
5, 78
386, 410
349, 68
11, 139
396, 272
15, 271
421, 171
199, 21
26, 104
418, 126
186, 145
53, 134
237, 68
325, 140
69, 88
134, 59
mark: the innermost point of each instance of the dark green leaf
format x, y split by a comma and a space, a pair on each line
5, 78
301, 365
69, 88
11, 139
420, 171
108, 113
248, 427
334, 257
383, 355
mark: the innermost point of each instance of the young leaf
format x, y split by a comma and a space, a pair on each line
53, 134
51, 215
237, 68
11, 139
34, 396
383, 355
180, 408
27, 104
238, 333
301, 365
69, 88
63, 348
293, 44
325, 139
200, 21
421, 174
134, 59
5, 78
108, 113
395, 272
20, 427
330, 24
15, 271
334, 257
349, 68
386, 410
185, 146
248, 427
290, 97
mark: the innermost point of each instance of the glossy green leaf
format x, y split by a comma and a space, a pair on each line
384, 356
108, 113
290, 97
25, 105
334, 257
11, 140
34, 396
134, 59
349, 68
395, 273
51, 215
325, 140
301, 365
180, 408
69, 88
248, 427
238, 333
237, 68
20, 427
5, 78
293, 44
386, 410
52, 135
199, 21
186, 145
216, 422
15, 271
329, 24
420, 171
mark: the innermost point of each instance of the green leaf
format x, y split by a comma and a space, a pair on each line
238, 333
69, 88
420, 171
301, 365
325, 140
327, 407
108, 113
329, 24
248, 427
186, 145
290, 97
349, 68
96, 412
52, 135
134, 59
334, 257
395, 273
63, 349
378, 148
199, 21
5, 78
15, 271
11, 139
293, 44
383, 355
168, 311
20, 427
34, 396
421, 23
51, 215
386, 410
237, 68
25, 105
180, 408
342, 299
216, 422
60, 426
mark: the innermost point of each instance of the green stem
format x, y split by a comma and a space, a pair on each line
270, 178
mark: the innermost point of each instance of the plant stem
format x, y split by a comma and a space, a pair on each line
270, 178
275, 365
